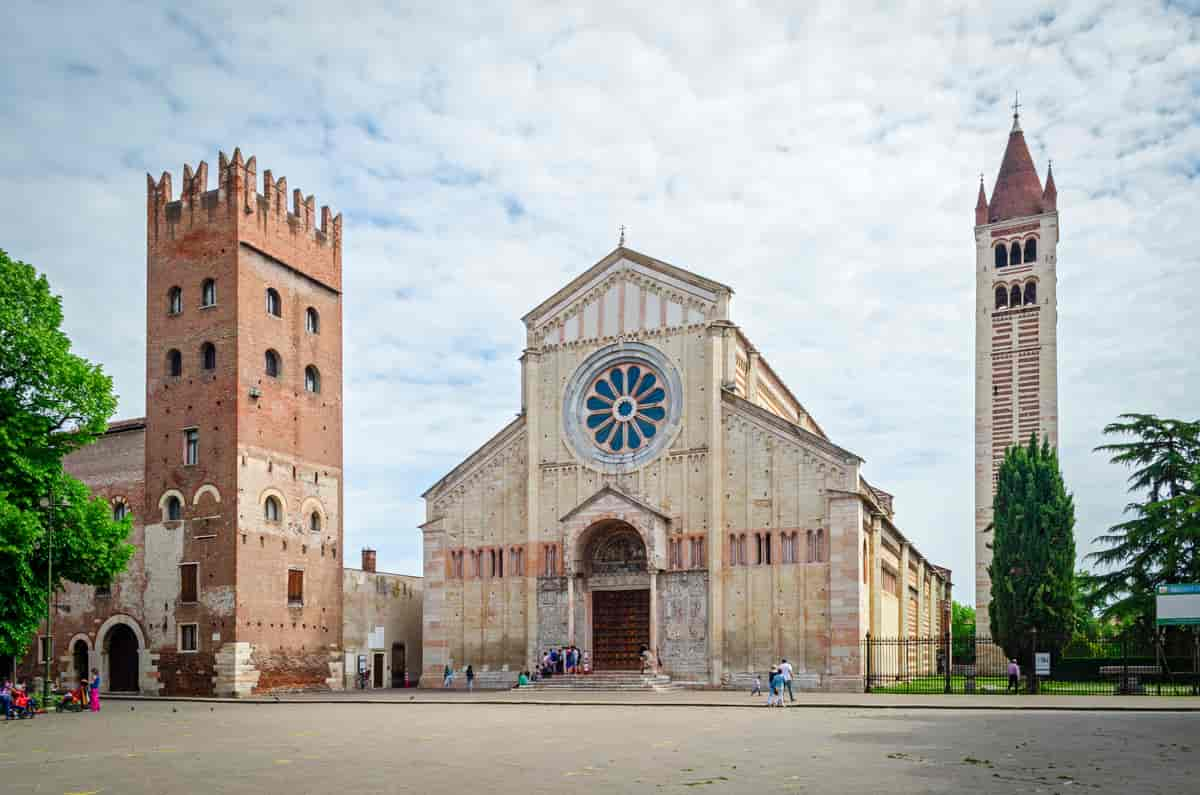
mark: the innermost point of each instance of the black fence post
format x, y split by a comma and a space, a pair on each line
1033, 679
1124, 688
947, 659
867, 661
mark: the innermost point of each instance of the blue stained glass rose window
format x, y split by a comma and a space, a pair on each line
625, 407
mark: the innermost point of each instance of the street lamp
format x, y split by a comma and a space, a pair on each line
48, 504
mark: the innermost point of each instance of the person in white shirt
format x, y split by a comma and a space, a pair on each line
785, 668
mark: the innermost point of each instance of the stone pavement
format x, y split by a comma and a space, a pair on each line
728, 698
459, 745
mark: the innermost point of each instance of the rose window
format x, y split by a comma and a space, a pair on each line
625, 408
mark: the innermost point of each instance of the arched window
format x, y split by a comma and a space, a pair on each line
208, 293
271, 509
1014, 257
1030, 293
1001, 297
312, 321
314, 522
174, 509
1031, 250
174, 301
174, 363
272, 364
208, 356
1001, 256
274, 305
119, 510
312, 379
1014, 297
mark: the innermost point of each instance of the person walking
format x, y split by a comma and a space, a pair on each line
470, 679
785, 669
95, 691
6, 699
1014, 677
447, 677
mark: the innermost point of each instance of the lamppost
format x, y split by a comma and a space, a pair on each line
48, 504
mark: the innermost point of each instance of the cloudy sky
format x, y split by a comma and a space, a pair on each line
823, 163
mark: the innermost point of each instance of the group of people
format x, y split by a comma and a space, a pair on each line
16, 699
564, 660
778, 680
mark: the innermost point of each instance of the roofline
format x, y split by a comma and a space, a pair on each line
466, 462
122, 426
618, 253
388, 573
762, 362
609, 488
802, 433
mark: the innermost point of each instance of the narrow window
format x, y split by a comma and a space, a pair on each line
295, 587
312, 321
208, 293
188, 582
312, 379
45, 648
1014, 257
766, 543
733, 550
1031, 250
174, 363
820, 544
208, 356
271, 509
1030, 292
118, 511
759, 556
272, 364
188, 637
174, 509
1014, 298
866, 563
499, 562
1001, 297
742, 549
274, 305
174, 301
1001, 256
314, 522
191, 447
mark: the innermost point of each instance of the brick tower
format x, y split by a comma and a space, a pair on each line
1016, 318
243, 468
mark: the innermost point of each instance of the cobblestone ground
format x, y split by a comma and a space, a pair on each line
163, 747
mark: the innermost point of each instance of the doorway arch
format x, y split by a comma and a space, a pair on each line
80, 657
121, 644
618, 582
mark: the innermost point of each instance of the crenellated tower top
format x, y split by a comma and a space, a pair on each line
261, 220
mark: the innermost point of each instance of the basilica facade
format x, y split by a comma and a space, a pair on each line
662, 488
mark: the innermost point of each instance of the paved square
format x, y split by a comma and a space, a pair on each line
163, 747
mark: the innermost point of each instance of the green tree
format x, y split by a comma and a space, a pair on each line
962, 620
1033, 561
51, 403
1159, 542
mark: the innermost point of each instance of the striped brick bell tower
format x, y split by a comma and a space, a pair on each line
1016, 318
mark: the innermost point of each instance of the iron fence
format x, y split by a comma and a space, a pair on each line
973, 665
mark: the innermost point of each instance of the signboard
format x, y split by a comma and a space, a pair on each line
1178, 605
1041, 663
375, 638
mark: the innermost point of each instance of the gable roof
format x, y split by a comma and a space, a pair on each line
616, 255
607, 489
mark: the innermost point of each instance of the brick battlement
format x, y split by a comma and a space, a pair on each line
259, 219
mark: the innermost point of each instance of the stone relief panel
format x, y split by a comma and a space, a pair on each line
683, 618
552, 612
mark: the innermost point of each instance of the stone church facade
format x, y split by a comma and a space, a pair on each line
662, 487
1016, 332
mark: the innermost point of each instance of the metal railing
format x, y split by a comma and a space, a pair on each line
971, 665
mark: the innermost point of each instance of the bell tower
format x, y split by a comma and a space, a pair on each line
1016, 319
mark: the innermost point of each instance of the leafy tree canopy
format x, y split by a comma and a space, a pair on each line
1033, 561
51, 403
962, 620
1159, 542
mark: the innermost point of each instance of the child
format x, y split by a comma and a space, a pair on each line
776, 687
757, 691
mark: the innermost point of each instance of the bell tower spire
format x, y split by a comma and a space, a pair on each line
1016, 320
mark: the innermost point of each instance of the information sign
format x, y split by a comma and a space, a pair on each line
1178, 605
1041, 663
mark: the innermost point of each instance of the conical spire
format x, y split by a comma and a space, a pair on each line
1018, 190
981, 205
1050, 195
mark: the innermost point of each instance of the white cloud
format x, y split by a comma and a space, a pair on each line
823, 163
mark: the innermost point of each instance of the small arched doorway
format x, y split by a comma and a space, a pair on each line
399, 664
79, 658
618, 580
121, 650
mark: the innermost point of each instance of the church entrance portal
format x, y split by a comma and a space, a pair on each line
122, 648
620, 628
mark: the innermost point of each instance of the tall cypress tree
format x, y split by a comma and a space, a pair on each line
1033, 562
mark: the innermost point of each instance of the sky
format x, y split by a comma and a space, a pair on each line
822, 160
